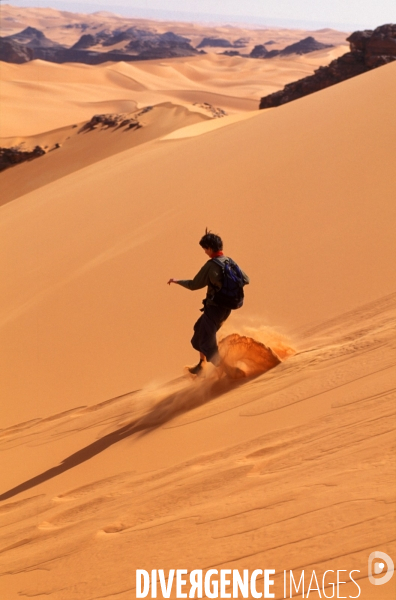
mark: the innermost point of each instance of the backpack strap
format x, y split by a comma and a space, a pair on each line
221, 263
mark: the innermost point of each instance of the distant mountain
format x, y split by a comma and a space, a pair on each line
140, 44
213, 42
369, 50
308, 44
259, 51
32, 38
88, 40
138, 39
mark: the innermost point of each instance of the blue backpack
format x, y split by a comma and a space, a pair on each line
231, 293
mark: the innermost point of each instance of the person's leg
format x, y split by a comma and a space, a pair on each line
212, 320
204, 338
195, 342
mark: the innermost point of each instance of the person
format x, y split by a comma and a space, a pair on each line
214, 315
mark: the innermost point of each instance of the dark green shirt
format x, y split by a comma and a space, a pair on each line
211, 275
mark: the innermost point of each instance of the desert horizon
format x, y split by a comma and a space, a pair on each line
114, 457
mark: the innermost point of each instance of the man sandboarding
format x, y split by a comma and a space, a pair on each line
224, 281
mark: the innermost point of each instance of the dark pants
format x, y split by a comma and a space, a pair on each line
205, 329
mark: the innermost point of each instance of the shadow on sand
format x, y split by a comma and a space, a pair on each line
243, 359
173, 404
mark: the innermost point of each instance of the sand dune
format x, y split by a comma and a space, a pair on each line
41, 96
91, 291
80, 146
293, 470
111, 458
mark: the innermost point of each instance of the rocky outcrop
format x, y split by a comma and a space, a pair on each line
82, 26
272, 54
169, 36
111, 120
375, 44
369, 49
32, 38
231, 53
214, 111
163, 48
14, 156
88, 40
308, 44
211, 42
88, 57
12, 52
304, 46
141, 45
259, 51
241, 42
138, 41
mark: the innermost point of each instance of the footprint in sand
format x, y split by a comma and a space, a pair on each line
47, 525
112, 529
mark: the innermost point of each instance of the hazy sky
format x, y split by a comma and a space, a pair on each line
355, 13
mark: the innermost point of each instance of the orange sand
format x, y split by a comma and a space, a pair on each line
112, 460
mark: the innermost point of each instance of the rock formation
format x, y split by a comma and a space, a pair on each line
111, 120
32, 38
14, 156
241, 42
378, 46
259, 51
214, 43
141, 44
214, 111
304, 46
308, 44
87, 41
164, 49
14, 53
369, 49
231, 53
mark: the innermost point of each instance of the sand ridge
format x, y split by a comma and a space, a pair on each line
71, 93
72, 148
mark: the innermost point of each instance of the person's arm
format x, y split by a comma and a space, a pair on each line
200, 280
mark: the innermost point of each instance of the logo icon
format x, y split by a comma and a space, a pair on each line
379, 567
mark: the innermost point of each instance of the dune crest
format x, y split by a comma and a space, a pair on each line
71, 93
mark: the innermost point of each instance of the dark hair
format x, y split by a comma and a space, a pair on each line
212, 241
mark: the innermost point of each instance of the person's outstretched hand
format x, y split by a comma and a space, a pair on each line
172, 281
